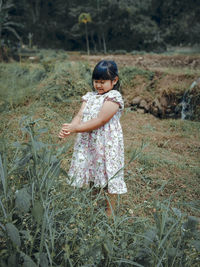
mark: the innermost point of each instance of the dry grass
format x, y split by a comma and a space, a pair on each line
167, 166
170, 159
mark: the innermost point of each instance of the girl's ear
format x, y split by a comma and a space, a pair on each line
116, 80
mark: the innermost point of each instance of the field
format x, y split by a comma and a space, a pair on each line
45, 222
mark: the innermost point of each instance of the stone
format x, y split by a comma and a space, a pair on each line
144, 105
140, 111
164, 101
136, 101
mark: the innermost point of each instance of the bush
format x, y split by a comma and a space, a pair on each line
45, 222
127, 75
120, 52
135, 52
17, 82
66, 81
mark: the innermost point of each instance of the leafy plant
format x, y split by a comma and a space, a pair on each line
127, 75
6, 23
46, 222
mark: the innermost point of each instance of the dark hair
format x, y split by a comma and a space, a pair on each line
106, 70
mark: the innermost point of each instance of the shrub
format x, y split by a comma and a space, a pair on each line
127, 75
17, 82
67, 81
120, 52
45, 222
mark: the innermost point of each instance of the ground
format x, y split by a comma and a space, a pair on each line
166, 153
168, 166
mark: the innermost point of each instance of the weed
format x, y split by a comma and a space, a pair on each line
44, 222
21, 81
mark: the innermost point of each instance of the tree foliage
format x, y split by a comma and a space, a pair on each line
85, 18
6, 22
114, 24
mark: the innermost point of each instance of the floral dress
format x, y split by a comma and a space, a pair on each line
99, 154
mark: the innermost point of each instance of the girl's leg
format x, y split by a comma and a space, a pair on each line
111, 202
95, 190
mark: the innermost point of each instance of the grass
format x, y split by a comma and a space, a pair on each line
184, 50
21, 79
72, 229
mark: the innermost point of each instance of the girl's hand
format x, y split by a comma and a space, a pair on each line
70, 127
63, 134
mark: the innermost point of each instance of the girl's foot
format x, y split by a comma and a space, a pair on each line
108, 212
110, 204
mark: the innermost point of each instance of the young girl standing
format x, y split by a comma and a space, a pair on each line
98, 156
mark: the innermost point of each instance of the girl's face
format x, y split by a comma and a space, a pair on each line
104, 86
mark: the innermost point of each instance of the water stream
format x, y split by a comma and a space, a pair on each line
187, 107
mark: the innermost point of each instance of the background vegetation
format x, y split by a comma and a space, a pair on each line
44, 221
110, 25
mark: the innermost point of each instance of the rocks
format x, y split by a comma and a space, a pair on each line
144, 105
139, 102
136, 101
164, 106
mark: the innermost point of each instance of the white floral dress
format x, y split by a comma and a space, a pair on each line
99, 154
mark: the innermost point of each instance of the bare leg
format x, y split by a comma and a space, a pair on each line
95, 190
111, 202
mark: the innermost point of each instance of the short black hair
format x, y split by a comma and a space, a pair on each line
106, 70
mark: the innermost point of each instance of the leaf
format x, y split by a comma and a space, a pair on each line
43, 130
28, 262
26, 234
17, 144
131, 263
3, 176
37, 212
43, 260
39, 145
42, 257
150, 236
172, 252
3, 264
23, 200
177, 212
20, 162
196, 244
12, 261
13, 234
192, 223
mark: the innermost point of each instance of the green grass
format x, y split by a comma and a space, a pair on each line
184, 50
18, 82
127, 75
48, 221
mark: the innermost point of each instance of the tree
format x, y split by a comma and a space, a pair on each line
85, 18
6, 22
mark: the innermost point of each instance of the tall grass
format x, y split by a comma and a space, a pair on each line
127, 75
18, 82
45, 222
53, 79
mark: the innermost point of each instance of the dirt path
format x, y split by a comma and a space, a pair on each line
150, 61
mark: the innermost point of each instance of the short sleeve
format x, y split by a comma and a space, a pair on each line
86, 96
116, 97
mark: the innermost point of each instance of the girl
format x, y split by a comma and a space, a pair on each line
98, 156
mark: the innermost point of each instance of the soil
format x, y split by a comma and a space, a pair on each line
171, 152
163, 94
153, 62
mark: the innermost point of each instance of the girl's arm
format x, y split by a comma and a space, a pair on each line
76, 120
78, 117
106, 113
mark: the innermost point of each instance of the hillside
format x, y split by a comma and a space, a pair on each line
161, 153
